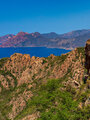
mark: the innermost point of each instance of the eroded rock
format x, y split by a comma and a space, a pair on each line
87, 53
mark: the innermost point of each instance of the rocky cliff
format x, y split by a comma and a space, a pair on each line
52, 88
87, 52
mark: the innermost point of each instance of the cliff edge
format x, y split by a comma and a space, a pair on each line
87, 53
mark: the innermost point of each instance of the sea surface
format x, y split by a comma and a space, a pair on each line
33, 51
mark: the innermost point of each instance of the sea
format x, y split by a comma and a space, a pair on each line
32, 51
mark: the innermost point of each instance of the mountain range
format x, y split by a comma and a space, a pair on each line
68, 40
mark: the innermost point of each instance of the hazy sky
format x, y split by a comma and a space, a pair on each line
43, 16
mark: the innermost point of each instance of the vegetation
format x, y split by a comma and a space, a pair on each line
5, 73
2, 61
54, 104
57, 59
82, 51
53, 99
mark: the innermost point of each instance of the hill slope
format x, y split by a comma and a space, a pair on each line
52, 88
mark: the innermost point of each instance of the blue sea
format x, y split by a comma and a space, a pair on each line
33, 51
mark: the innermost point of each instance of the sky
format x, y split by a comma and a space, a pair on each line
43, 16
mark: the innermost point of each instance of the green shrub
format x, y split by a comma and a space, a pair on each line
2, 61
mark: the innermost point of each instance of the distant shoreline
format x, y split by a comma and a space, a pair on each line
41, 47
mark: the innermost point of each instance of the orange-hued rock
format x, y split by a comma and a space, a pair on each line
4, 82
32, 117
23, 75
19, 103
26, 69
87, 53
17, 63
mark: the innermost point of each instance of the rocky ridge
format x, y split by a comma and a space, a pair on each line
87, 52
31, 87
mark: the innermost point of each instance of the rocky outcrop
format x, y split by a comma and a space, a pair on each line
19, 103
25, 69
32, 117
87, 53
22, 76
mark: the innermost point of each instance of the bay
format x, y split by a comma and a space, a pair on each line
32, 51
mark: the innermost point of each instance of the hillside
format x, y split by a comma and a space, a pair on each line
52, 88
69, 40
5, 38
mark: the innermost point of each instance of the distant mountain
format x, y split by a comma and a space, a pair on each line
23, 39
68, 40
5, 38
67, 35
76, 33
50, 35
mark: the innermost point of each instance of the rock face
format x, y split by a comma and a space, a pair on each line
25, 69
87, 53
31, 86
